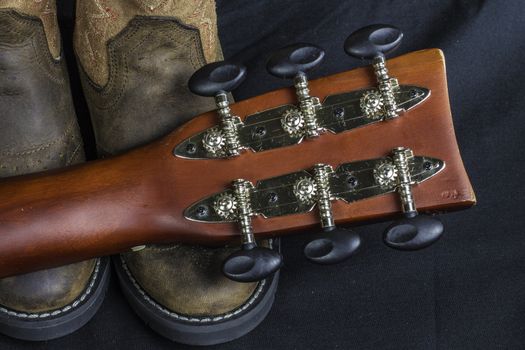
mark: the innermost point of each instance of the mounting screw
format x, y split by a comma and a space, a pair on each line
259, 132
428, 165
191, 148
413, 93
202, 211
273, 197
339, 112
352, 181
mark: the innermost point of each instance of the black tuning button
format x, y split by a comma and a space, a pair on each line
373, 41
295, 59
336, 245
252, 263
216, 78
413, 232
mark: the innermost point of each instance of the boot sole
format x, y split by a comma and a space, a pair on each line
58, 323
183, 329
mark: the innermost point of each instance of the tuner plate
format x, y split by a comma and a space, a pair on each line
266, 130
278, 196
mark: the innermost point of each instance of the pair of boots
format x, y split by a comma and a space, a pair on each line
135, 58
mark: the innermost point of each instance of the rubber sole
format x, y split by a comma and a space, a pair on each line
205, 332
34, 328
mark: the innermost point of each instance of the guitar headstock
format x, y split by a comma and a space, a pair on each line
355, 146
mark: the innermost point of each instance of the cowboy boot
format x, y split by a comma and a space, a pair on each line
39, 131
135, 58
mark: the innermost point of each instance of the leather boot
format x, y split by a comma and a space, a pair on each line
38, 131
136, 57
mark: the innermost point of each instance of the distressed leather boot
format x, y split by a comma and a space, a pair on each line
135, 58
39, 131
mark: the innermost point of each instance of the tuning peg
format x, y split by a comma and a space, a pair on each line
293, 62
251, 263
373, 43
413, 231
217, 79
335, 244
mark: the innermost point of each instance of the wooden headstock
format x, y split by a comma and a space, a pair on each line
427, 130
108, 206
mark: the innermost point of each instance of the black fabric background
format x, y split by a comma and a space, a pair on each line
466, 291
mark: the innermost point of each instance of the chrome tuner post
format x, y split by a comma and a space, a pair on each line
217, 79
251, 263
336, 244
373, 43
293, 62
414, 231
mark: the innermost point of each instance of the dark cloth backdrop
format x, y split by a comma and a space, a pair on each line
465, 292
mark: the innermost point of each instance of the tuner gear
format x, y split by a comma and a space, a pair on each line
385, 174
213, 141
226, 206
305, 190
293, 123
371, 104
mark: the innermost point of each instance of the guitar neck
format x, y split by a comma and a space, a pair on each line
95, 209
109, 206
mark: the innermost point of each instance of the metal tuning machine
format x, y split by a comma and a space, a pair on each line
217, 79
292, 62
336, 244
289, 124
251, 263
373, 43
303, 190
414, 231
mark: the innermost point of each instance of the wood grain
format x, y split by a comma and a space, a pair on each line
108, 206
